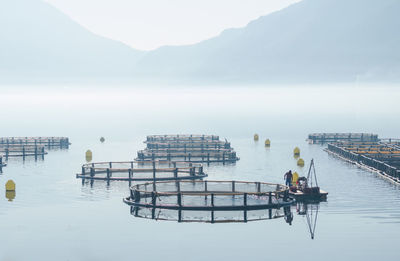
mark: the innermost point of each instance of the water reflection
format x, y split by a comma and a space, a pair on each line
213, 216
310, 211
10, 195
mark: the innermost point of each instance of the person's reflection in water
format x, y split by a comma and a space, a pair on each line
288, 215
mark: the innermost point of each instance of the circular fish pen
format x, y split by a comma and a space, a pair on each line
141, 171
208, 156
17, 150
206, 195
239, 216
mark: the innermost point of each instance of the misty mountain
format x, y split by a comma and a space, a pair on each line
313, 40
39, 41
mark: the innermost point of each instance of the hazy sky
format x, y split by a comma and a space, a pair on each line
148, 24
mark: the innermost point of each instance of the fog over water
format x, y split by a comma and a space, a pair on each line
55, 217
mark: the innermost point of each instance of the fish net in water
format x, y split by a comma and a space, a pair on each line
209, 195
218, 155
236, 216
188, 145
141, 171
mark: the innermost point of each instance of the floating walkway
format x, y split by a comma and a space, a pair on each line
333, 137
209, 195
141, 171
380, 157
48, 142
191, 148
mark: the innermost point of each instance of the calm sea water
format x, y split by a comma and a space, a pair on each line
55, 217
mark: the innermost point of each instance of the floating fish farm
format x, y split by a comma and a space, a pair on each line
366, 150
171, 166
381, 157
30, 146
191, 148
206, 144
22, 151
181, 138
48, 142
23, 147
333, 137
207, 195
141, 171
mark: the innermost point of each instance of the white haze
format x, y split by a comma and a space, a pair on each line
150, 24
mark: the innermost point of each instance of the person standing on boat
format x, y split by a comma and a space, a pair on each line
288, 177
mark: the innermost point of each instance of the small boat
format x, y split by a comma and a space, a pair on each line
304, 190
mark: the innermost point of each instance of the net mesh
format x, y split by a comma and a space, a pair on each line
207, 216
150, 171
208, 194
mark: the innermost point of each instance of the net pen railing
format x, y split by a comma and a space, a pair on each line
188, 137
188, 145
216, 156
188, 150
141, 171
22, 151
209, 195
50, 142
387, 163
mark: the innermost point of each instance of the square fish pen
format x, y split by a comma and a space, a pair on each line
334, 137
207, 195
380, 157
141, 171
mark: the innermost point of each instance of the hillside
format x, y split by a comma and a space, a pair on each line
39, 41
311, 41
314, 40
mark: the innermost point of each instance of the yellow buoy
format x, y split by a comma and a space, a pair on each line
89, 155
256, 137
10, 195
300, 162
267, 143
102, 139
295, 177
10, 185
296, 152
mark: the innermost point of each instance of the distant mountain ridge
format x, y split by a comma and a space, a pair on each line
311, 41
39, 41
